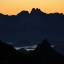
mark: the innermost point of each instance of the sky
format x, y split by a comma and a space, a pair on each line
13, 7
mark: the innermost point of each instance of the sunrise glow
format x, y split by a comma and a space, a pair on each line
13, 7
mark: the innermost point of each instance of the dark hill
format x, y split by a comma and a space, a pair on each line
9, 55
47, 55
43, 54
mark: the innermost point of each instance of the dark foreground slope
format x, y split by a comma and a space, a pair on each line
8, 55
43, 54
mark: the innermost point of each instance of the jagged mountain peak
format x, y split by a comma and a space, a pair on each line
36, 11
44, 44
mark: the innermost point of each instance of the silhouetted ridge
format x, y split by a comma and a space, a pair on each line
36, 12
32, 27
45, 48
6, 50
23, 13
47, 55
43, 54
9, 55
44, 45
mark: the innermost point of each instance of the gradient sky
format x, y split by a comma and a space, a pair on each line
13, 7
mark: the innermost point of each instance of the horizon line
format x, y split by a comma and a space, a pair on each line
30, 12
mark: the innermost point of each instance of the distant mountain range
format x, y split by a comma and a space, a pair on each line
32, 27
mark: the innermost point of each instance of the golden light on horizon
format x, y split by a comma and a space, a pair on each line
13, 7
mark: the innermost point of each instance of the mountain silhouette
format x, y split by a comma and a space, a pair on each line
9, 55
33, 27
43, 54
36, 25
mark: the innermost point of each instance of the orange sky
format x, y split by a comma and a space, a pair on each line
13, 7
